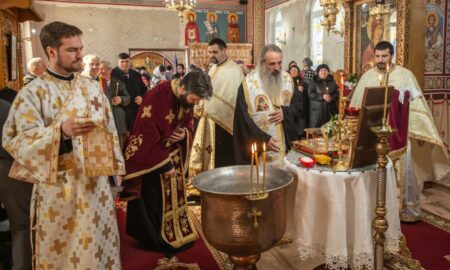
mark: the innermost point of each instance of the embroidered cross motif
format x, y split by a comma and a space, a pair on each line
47, 266
29, 116
70, 225
52, 214
95, 103
209, 149
263, 123
110, 262
18, 102
58, 246
197, 148
75, 260
98, 154
170, 117
147, 111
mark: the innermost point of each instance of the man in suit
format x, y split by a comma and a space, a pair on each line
134, 85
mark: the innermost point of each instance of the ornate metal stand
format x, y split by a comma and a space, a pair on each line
379, 223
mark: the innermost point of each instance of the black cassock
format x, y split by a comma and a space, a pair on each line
245, 130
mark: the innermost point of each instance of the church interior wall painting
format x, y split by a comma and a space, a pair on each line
369, 32
437, 64
204, 25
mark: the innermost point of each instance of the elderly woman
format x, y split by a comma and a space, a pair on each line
323, 94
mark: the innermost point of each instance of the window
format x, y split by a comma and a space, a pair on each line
279, 34
316, 34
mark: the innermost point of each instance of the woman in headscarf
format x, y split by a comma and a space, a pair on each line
158, 75
301, 86
323, 95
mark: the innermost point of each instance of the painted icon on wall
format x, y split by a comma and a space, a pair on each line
191, 33
233, 34
212, 29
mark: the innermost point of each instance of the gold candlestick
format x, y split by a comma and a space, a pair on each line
380, 78
264, 156
117, 89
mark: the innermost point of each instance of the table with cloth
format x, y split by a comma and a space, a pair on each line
333, 213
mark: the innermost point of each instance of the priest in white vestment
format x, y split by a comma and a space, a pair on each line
426, 157
61, 133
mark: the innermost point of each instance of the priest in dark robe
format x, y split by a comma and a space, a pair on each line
268, 110
156, 161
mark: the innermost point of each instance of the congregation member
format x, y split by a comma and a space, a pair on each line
181, 71
214, 134
159, 75
426, 156
134, 85
118, 97
307, 72
91, 63
15, 196
323, 95
267, 110
156, 156
35, 67
301, 86
57, 126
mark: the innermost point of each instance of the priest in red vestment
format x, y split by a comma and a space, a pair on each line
156, 161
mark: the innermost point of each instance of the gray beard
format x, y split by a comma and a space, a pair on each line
272, 84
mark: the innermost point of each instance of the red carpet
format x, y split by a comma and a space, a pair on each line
428, 244
135, 258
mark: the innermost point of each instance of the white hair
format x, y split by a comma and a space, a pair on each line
33, 63
89, 57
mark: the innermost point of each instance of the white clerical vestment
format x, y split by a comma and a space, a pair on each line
430, 160
73, 217
219, 109
260, 105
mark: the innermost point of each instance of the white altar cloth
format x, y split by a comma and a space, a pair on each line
333, 215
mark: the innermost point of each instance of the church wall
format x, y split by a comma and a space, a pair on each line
296, 21
111, 29
437, 65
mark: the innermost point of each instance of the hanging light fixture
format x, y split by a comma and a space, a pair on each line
330, 11
181, 6
378, 9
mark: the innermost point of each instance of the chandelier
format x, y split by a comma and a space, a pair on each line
330, 11
378, 9
181, 6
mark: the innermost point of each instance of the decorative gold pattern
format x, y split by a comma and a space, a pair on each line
135, 142
170, 117
146, 111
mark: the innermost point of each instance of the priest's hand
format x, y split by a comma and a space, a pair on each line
327, 97
276, 116
177, 135
138, 100
116, 100
273, 145
75, 127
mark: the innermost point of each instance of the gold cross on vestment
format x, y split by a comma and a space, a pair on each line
98, 154
32, 138
106, 231
80, 205
47, 266
51, 214
70, 225
58, 246
96, 219
170, 117
109, 264
99, 252
75, 260
41, 92
95, 103
46, 151
103, 199
146, 111
29, 116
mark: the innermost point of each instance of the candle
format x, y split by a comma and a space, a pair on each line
117, 89
257, 168
342, 80
380, 78
251, 169
264, 156
386, 88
